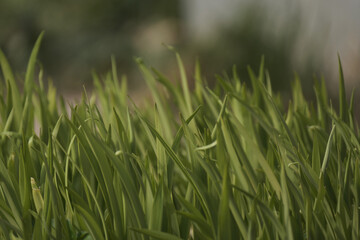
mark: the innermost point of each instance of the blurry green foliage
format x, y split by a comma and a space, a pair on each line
257, 34
80, 35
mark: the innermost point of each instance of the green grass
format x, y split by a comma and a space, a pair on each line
227, 162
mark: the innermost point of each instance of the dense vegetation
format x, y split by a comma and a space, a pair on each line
228, 162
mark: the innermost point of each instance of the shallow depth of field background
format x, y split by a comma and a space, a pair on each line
302, 37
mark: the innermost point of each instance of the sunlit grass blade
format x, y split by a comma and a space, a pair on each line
13, 91
327, 152
184, 82
342, 94
30, 71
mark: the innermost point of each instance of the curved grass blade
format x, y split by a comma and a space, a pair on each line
14, 93
156, 234
327, 152
93, 227
342, 94
30, 71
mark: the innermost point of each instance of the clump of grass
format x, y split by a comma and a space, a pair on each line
233, 164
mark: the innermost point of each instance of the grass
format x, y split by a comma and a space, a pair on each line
222, 163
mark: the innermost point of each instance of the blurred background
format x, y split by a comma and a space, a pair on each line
80, 36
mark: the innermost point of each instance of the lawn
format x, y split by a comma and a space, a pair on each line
224, 162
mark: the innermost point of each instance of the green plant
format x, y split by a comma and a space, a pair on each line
233, 164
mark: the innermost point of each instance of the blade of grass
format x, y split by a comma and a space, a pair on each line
327, 152
30, 71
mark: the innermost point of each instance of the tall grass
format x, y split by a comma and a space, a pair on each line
222, 163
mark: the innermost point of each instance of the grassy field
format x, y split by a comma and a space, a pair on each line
228, 162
